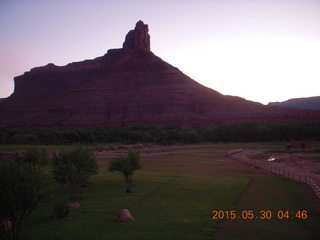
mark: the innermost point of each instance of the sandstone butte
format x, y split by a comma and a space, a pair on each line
130, 86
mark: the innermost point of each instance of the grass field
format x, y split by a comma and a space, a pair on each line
174, 197
164, 205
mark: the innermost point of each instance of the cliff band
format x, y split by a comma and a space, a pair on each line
126, 87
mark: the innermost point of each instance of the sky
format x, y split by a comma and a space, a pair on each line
260, 50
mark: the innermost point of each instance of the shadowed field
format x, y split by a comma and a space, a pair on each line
174, 197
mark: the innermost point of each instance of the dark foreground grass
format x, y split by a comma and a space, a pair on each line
164, 205
273, 194
172, 203
178, 206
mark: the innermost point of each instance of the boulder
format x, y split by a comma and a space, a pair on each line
74, 205
124, 216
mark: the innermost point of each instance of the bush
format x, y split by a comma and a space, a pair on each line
36, 157
21, 190
74, 167
61, 209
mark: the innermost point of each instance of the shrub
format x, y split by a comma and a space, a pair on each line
74, 167
61, 209
36, 157
126, 166
21, 190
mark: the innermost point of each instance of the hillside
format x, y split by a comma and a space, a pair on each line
128, 87
300, 103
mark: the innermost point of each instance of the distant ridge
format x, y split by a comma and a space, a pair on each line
300, 103
129, 86
1, 99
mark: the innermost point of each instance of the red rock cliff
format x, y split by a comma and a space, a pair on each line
125, 87
138, 38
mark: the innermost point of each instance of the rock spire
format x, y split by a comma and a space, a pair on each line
129, 86
137, 38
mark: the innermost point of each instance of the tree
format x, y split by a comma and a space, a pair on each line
126, 166
74, 167
36, 157
192, 136
22, 187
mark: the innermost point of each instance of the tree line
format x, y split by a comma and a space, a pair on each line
241, 132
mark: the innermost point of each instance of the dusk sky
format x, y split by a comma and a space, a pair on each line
261, 50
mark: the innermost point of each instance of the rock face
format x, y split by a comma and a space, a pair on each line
301, 103
124, 216
126, 87
137, 38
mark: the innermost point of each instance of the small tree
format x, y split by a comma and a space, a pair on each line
36, 157
126, 166
21, 189
74, 167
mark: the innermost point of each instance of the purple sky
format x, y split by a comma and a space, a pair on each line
261, 50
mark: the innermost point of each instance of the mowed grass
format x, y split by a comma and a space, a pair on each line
165, 205
273, 194
174, 197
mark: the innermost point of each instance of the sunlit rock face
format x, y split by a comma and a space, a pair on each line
128, 87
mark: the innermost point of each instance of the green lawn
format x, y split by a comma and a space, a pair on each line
174, 205
173, 200
274, 194
165, 206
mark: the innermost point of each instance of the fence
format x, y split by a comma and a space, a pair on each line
274, 169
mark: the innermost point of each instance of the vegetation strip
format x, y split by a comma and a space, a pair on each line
241, 132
